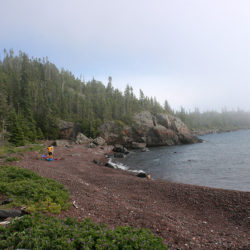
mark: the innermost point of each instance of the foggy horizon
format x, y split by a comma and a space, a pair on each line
193, 54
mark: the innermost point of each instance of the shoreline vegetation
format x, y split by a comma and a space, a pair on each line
185, 216
226, 120
215, 131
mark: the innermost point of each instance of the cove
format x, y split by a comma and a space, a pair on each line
221, 161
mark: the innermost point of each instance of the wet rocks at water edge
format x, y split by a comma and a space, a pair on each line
120, 149
119, 155
110, 165
108, 155
138, 145
99, 162
104, 163
142, 174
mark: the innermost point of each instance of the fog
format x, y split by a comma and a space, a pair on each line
192, 53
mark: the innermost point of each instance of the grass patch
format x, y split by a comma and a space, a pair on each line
11, 159
6, 150
40, 232
28, 189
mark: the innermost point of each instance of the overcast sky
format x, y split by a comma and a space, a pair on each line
194, 53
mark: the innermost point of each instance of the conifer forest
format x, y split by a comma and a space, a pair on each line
35, 95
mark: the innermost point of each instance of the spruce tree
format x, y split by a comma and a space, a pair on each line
16, 134
39, 134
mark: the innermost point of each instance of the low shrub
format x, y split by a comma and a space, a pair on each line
11, 159
40, 232
26, 188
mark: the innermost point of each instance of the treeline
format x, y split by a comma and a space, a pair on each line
214, 121
35, 94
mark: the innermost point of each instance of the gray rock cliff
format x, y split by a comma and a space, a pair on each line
149, 130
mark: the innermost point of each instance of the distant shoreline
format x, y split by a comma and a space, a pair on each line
215, 131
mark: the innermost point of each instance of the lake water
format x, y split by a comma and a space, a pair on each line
222, 161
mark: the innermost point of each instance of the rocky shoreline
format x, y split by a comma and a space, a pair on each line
145, 130
186, 216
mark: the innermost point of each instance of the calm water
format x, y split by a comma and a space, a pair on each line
222, 161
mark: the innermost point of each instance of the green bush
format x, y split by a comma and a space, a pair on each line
26, 188
11, 159
40, 232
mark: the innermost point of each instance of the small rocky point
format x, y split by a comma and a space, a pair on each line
148, 130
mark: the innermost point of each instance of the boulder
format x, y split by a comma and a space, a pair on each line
138, 145
91, 145
99, 162
109, 165
142, 175
82, 139
120, 149
145, 150
118, 155
61, 143
99, 141
108, 155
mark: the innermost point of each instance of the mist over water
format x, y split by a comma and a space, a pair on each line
222, 161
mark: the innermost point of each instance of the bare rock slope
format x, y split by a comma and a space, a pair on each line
152, 130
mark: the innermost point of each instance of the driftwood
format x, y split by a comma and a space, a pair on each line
4, 223
74, 204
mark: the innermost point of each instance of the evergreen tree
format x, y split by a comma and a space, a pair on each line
167, 107
4, 107
25, 101
16, 134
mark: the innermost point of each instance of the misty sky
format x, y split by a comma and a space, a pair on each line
194, 53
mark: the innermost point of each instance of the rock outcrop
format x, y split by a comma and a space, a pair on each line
120, 149
148, 130
68, 130
61, 143
83, 139
99, 141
